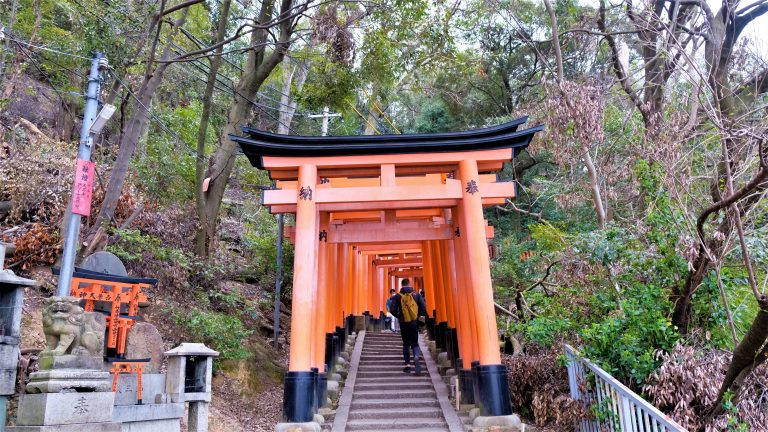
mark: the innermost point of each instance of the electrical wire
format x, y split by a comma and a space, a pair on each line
31, 45
263, 107
59, 93
232, 92
365, 119
380, 111
153, 117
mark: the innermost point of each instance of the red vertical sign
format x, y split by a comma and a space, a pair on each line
81, 196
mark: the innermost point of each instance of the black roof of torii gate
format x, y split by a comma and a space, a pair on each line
258, 143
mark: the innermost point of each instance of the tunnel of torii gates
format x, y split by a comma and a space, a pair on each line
372, 210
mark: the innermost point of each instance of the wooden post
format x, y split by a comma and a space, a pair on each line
464, 306
300, 382
465, 289
321, 302
429, 282
357, 308
305, 253
491, 376
348, 279
445, 281
479, 264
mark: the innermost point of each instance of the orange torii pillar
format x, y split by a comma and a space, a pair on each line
329, 326
319, 339
358, 292
451, 336
299, 390
338, 289
490, 376
465, 314
433, 280
349, 274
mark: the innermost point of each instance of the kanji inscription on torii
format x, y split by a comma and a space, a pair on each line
81, 195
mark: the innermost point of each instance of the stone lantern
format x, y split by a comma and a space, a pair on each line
188, 379
11, 302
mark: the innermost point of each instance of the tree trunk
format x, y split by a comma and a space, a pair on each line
201, 246
257, 69
293, 78
594, 183
11, 22
751, 352
137, 124
11, 82
555, 40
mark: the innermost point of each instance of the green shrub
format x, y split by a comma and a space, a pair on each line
133, 244
623, 342
222, 332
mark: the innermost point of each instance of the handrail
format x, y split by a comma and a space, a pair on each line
621, 409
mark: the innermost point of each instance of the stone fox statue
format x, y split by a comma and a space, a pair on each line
70, 330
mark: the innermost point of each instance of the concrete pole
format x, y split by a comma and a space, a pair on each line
324, 131
84, 153
326, 115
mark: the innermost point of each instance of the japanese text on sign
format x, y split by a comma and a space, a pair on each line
81, 196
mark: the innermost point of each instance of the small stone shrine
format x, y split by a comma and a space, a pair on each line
190, 372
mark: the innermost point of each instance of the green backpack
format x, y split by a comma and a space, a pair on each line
409, 308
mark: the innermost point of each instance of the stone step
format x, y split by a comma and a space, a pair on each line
402, 423
426, 429
412, 412
373, 359
393, 394
388, 386
365, 367
393, 353
383, 361
394, 404
394, 373
384, 374
396, 381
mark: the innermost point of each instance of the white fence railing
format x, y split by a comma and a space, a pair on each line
616, 408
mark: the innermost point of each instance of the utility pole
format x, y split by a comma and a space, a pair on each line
326, 115
81, 195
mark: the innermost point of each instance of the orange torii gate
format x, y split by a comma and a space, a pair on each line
371, 210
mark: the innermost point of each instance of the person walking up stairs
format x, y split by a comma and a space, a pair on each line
410, 309
386, 399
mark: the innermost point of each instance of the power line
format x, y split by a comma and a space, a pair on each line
31, 45
231, 92
152, 116
59, 93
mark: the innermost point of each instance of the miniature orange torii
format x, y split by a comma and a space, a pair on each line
372, 210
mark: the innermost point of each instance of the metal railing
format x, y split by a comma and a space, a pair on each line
615, 407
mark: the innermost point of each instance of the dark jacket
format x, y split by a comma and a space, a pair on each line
397, 309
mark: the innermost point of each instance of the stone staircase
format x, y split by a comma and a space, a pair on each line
387, 399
